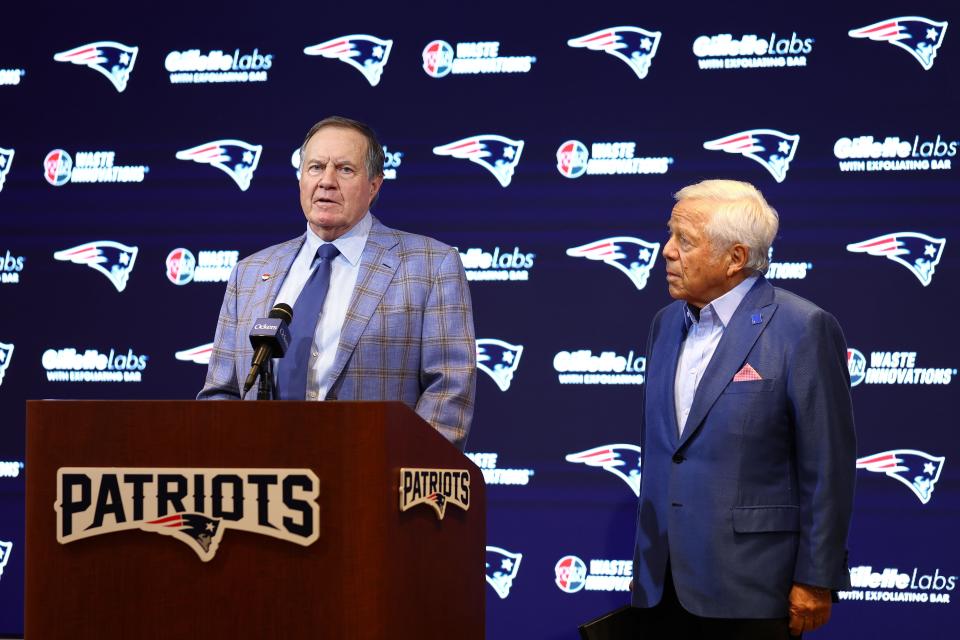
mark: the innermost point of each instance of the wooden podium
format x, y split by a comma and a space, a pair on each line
372, 572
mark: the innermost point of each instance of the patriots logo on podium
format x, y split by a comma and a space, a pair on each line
199, 355
236, 158
622, 460
200, 533
7, 547
6, 354
773, 149
633, 45
6, 161
501, 569
496, 154
367, 54
916, 470
918, 252
112, 59
499, 360
110, 258
631, 256
920, 37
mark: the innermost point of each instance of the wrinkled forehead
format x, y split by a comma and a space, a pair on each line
690, 214
337, 142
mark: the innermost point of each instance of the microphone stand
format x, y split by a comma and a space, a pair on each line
265, 387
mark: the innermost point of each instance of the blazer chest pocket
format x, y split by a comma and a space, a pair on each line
751, 386
766, 519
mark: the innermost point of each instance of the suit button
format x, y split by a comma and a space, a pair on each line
677, 458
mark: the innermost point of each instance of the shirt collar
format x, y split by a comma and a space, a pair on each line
350, 244
722, 308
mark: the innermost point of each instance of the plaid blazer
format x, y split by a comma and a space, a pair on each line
408, 334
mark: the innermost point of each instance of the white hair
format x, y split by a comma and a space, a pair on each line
739, 214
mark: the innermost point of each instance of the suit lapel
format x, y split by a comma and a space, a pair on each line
277, 266
378, 264
735, 344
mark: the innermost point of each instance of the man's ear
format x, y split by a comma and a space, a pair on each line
375, 183
739, 255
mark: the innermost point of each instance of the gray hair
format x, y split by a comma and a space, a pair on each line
739, 215
373, 162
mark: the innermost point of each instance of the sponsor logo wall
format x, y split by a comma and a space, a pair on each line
547, 153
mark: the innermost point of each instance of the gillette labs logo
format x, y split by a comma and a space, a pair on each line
866, 153
723, 51
194, 67
582, 367
497, 265
70, 365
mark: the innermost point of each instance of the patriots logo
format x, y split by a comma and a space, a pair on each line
236, 158
200, 533
632, 256
622, 460
7, 547
501, 569
110, 258
366, 54
6, 353
496, 154
199, 355
773, 149
916, 470
633, 45
112, 59
916, 251
499, 360
6, 161
918, 36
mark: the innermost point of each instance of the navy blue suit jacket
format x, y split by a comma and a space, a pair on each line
757, 492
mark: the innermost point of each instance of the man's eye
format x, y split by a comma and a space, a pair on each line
346, 170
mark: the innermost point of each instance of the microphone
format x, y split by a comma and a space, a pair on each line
270, 338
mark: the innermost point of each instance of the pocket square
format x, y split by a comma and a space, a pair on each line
746, 374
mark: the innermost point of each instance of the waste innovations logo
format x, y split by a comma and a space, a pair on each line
631, 256
501, 569
436, 488
6, 162
365, 53
582, 367
771, 148
496, 154
195, 67
893, 587
866, 153
90, 365
208, 266
622, 460
194, 506
11, 77
198, 355
499, 360
11, 468
916, 470
89, 167
10, 268
607, 159
391, 162
918, 252
920, 37
111, 59
5, 549
723, 51
786, 270
499, 265
6, 355
633, 45
236, 158
493, 475
112, 259
894, 367
469, 58
571, 575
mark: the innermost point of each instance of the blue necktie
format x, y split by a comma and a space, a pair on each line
295, 365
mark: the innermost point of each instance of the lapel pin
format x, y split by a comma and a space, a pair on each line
264, 276
756, 318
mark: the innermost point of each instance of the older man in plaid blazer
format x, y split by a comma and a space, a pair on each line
397, 323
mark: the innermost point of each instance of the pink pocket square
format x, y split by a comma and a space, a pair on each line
747, 374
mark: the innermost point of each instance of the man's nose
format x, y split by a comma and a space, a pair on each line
328, 179
671, 248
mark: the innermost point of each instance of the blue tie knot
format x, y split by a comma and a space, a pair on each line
328, 251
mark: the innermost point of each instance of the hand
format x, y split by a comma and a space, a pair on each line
809, 608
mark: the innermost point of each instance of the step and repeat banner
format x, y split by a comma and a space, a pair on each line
142, 156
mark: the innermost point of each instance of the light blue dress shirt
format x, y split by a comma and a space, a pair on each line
343, 277
703, 336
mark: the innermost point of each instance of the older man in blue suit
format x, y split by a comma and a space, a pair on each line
748, 446
378, 314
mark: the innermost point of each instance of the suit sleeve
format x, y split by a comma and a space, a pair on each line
221, 382
448, 365
818, 385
